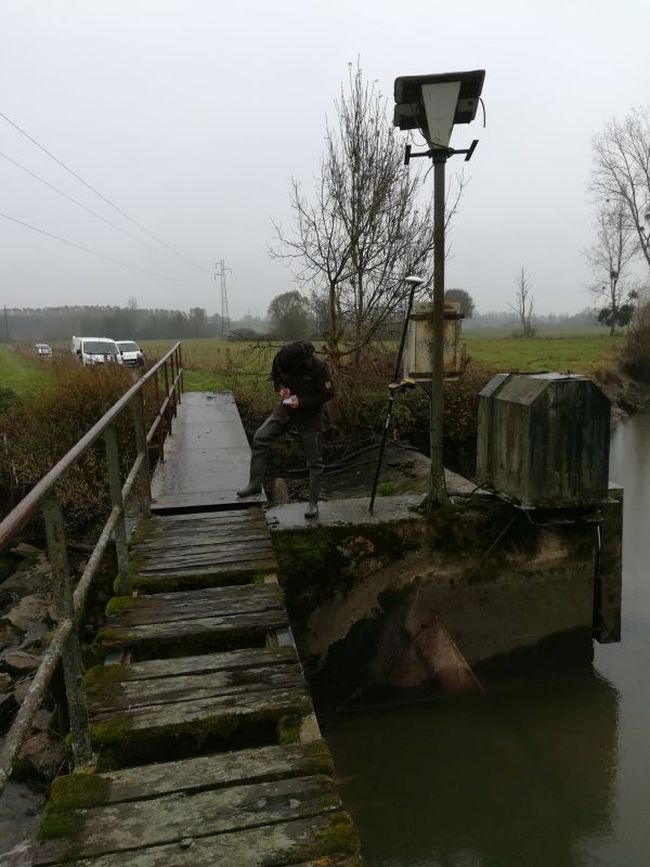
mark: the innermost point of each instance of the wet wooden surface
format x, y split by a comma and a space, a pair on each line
216, 617
270, 806
207, 457
202, 680
205, 549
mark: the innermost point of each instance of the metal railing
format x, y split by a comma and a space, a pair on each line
64, 645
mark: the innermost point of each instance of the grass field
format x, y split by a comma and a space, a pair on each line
207, 359
23, 375
576, 352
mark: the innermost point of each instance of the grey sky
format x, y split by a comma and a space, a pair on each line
193, 116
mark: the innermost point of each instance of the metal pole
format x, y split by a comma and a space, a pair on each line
391, 398
437, 492
119, 534
144, 479
71, 654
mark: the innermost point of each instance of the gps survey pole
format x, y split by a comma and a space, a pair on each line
395, 386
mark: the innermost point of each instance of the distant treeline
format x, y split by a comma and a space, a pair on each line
506, 319
52, 324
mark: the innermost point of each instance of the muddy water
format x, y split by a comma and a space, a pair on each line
555, 773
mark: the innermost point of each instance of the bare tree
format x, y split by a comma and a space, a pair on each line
616, 245
524, 304
365, 228
622, 171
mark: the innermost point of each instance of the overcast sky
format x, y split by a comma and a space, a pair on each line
193, 116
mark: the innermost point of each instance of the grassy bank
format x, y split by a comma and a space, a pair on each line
21, 374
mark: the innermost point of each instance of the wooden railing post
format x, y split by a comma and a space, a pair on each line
119, 534
71, 651
144, 478
168, 415
160, 430
180, 368
172, 396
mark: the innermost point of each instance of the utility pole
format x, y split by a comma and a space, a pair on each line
220, 270
6, 325
434, 104
437, 489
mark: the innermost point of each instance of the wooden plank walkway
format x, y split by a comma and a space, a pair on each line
208, 750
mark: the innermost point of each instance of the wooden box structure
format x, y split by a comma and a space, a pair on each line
543, 439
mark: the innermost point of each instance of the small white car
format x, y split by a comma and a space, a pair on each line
132, 355
43, 350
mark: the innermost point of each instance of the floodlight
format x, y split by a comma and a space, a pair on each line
412, 280
435, 103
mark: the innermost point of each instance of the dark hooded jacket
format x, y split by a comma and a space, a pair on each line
297, 368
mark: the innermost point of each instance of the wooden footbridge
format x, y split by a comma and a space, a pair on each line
194, 738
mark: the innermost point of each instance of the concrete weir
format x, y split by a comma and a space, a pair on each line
389, 606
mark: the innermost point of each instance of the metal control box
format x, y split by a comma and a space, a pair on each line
543, 439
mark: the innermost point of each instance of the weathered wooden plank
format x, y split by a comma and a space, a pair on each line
170, 818
111, 694
222, 566
161, 527
162, 524
217, 595
206, 662
193, 775
167, 608
324, 840
216, 712
206, 543
216, 631
158, 533
202, 558
191, 578
184, 562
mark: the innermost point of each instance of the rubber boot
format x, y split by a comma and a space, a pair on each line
314, 493
254, 486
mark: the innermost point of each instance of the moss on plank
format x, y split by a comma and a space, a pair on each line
119, 744
101, 683
78, 792
119, 604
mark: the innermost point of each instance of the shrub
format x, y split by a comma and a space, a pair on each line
44, 426
635, 359
8, 399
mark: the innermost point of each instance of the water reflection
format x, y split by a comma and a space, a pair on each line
556, 775
515, 778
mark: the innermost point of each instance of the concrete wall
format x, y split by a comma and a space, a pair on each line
394, 607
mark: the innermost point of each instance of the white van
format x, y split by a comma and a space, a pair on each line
96, 350
132, 355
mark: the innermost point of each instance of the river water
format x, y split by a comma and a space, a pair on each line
553, 774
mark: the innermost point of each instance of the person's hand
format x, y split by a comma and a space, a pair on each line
293, 403
284, 392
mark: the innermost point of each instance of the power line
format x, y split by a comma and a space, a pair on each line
85, 249
97, 193
78, 203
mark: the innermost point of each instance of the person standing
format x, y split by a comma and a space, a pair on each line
303, 383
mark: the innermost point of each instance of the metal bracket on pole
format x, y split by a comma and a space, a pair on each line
437, 154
